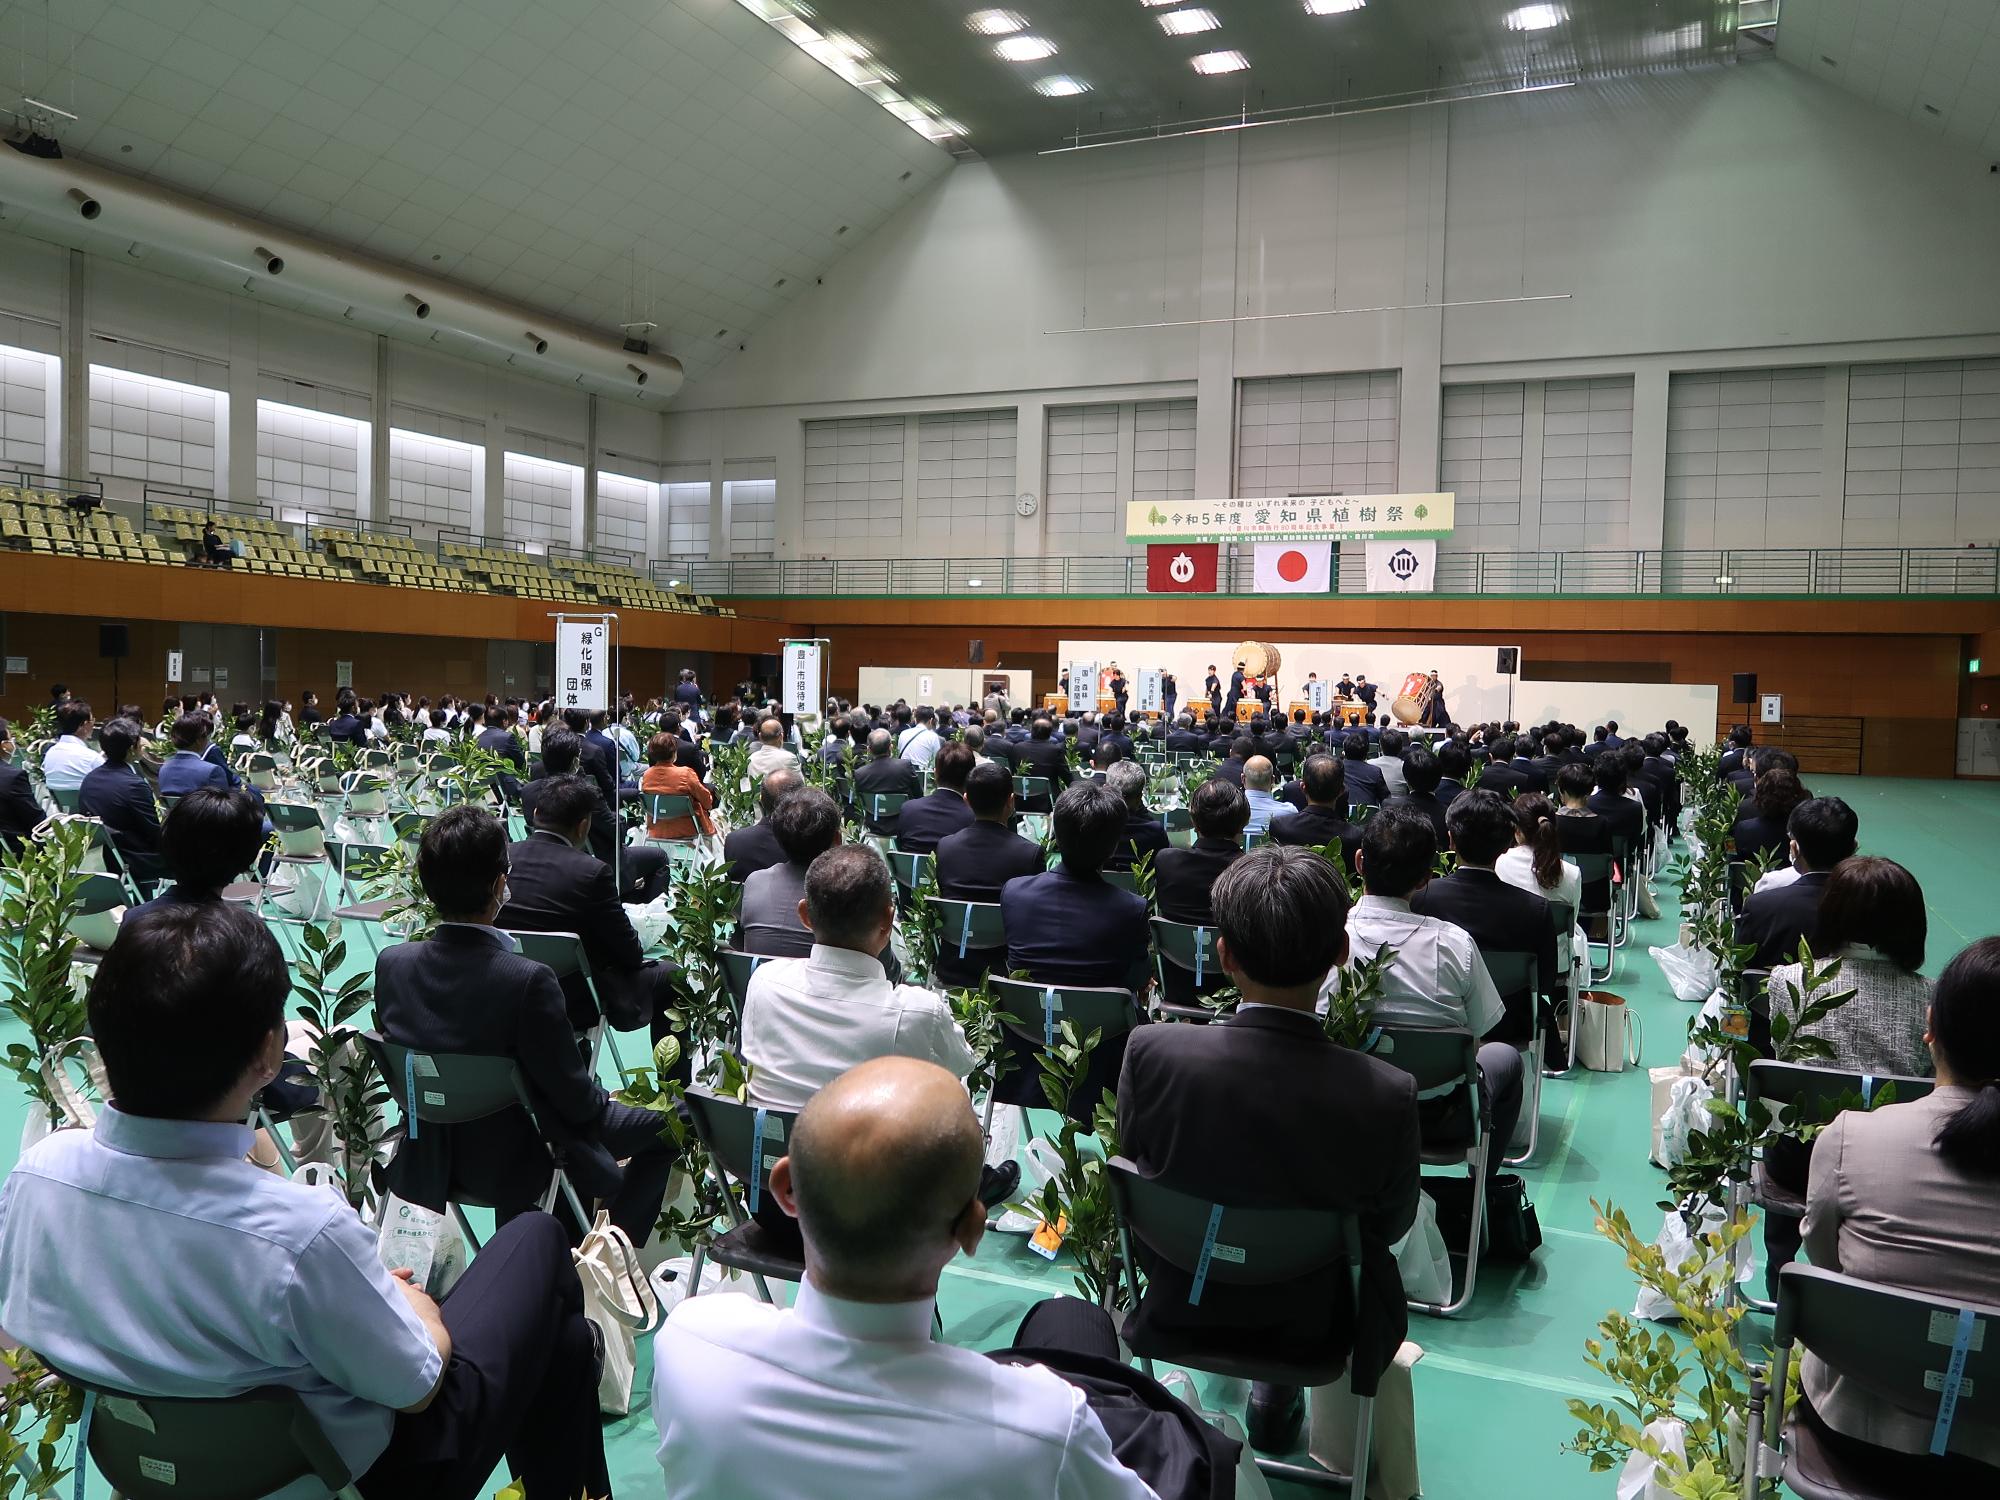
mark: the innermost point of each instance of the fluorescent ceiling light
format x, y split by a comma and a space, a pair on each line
1188, 22
1534, 18
1332, 7
995, 22
1061, 86
1025, 48
310, 415
849, 60
1221, 62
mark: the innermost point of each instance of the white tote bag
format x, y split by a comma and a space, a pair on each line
620, 1301
1608, 1033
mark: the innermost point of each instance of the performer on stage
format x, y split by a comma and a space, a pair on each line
1212, 689
1364, 690
1170, 694
1235, 693
1118, 689
1345, 687
1435, 715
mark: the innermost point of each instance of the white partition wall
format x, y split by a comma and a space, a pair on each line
937, 686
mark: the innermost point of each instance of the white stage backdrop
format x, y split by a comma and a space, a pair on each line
1643, 706
882, 686
1473, 689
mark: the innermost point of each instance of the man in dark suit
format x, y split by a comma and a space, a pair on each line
466, 990
1281, 920
1733, 758
1211, 689
1553, 758
1324, 819
1365, 786
594, 759
1454, 765
642, 869
1184, 738
1144, 832
1625, 818
1182, 878
975, 863
1421, 775
926, 820
1235, 695
499, 739
1599, 743
753, 848
346, 725
1502, 918
20, 813
885, 775
1503, 775
1115, 738
558, 885
1240, 750
987, 742
119, 795
1822, 832
1041, 754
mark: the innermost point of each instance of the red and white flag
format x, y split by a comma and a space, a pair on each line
1294, 567
1174, 568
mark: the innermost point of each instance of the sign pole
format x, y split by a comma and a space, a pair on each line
582, 642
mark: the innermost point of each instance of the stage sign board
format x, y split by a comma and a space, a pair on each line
1771, 708
583, 663
1148, 699
1083, 686
801, 677
1291, 518
173, 666
1319, 696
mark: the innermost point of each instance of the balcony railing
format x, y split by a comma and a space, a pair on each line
1750, 573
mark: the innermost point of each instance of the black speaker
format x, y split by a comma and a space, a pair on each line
1509, 660
1744, 688
114, 642
976, 653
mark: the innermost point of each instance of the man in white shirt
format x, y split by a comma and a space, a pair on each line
1436, 977
1260, 778
771, 754
807, 1020
845, 1393
70, 758
919, 743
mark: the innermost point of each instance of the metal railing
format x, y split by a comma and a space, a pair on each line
1784, 573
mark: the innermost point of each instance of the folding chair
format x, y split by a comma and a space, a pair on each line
114, 860
1889, 1343
878, 806
1031, 1017
1183, 948
1513, 973
1029, 789
1625, 888
227, 1448
909, 869
261, 771
1179, 823
65, 797
1125, 880
1779, 1085
301, 831
564, 953
364, 794
1444, 1060
1563, 915
744, 1142
737, 967
93, 922
663, 807
1215, 1244
456, 1088
1596, 870
966, 928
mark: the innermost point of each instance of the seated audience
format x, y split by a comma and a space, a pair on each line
1454, 764
1069, 925
1421, 777
1436, 977
347, 726
118, 794
1241, 748
1820, 834
926, 820
71, 758
1183, 878
976, 862
208, 840
557, 885
498, 738
846, 1393
1365, 785
642, 872
1500, 918
772, 753
210, 1276
467, 990
1908, 1195
1260, 780
20, 813
1581, 831
1042, 754
918, 742
1390, 762
1624, 817
884, 774
1536, 862
665, 777
1185, 739
1759, 829
1323, 820
754, 847
1871, 917
1279, 916
1144, 832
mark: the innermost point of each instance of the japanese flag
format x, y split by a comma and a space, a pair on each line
1294, 567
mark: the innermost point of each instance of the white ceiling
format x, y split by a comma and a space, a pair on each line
1936, 63
538, 150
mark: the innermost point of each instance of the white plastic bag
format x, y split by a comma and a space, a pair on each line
1691, 972
649, 921
1250, 1481
36, 1128
1636, 1480
423, 1242
1680, 1248
1697, 1058
1684, 1113
1422, 1258
670, 1281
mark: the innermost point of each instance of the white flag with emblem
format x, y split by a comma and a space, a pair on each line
1402, 567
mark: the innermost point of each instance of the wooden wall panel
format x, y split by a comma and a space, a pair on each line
1829, 744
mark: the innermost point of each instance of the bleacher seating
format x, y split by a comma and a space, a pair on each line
399, 561
614, 585
521, 574
36, 520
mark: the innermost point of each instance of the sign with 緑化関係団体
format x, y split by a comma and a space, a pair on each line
583, 663
1291, 518
801, 677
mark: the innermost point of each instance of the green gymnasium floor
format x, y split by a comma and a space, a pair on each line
1491, 1386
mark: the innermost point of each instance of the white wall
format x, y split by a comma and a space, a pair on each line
1634, 706
881, 685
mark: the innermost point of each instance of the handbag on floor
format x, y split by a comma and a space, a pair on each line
1608, 1033
1513, 1229
619, 1299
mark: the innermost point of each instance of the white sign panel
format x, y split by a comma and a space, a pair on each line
343, 674
1771, 708
583, 664
1083, 686
1319, 696
1148, 700
1402, 567
926, 688
801, 677
17, 665
173, 666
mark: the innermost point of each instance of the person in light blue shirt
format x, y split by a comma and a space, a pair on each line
1260, 779
148, 1256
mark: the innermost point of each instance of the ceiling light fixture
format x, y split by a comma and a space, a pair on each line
1332, 7
1061, 86
1231, 61
1534, 18
995, 22
1025, 48
973, 583
849, 60
1188, 22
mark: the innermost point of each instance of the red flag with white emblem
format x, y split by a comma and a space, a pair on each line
1177, 568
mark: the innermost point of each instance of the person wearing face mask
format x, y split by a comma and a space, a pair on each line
19, 811
468, 990
558, 885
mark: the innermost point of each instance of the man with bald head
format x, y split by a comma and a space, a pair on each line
845, 1393
1260, 781
885, 774
748, 850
